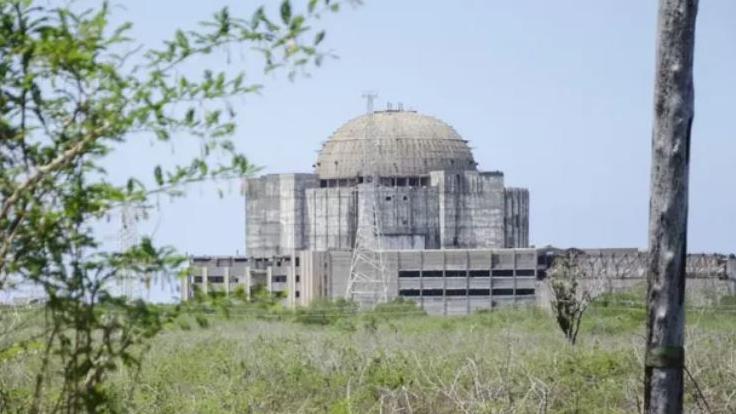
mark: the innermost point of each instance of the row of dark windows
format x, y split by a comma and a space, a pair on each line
464, 292
215, 279
287, 260
221, 279
463, 273
404, 181
383, 181
282, 278
227, 262
405, 198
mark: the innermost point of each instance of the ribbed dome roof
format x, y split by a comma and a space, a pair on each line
410, 144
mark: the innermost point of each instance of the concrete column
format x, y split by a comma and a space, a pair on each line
291, 286
185, 288
467, 282
330, 271
490, 280
444, 282
269, 277
227, 281
204, 280
421, 278
398, 279
247, 282
514, 273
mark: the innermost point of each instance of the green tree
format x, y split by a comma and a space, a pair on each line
73, 89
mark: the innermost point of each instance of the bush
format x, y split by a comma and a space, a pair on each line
397, 308
325, 312
727, 300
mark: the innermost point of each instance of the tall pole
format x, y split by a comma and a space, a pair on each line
293, 262
668, 207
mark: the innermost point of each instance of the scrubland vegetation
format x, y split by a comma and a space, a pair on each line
260, 358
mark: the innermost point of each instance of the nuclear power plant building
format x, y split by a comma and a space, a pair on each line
430, 193
432, 203
397, 207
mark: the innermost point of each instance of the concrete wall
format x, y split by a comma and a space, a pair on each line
516, 219
699, 291
275, 213
225, 274
471, 209
459, 282
444, 282
312, 282
219, 274
409, 217
709, 276
460, 209
331, 215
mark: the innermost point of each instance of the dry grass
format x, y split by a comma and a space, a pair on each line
509, 361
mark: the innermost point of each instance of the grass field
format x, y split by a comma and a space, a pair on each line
506, 361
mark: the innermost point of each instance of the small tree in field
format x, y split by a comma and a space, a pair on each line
572, 292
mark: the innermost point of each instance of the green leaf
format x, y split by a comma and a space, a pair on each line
312, 5
255, 21
182, 40
286, 11
319, 37
158, 174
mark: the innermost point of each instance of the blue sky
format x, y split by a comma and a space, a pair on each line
558, 95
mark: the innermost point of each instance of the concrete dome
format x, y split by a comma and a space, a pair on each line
410, 144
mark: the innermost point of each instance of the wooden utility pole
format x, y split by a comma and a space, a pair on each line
673, 117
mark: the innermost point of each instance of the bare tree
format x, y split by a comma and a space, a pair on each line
673, 117
573, 290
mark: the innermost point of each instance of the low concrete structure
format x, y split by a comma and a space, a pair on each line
709, 276
443, 282
450, 281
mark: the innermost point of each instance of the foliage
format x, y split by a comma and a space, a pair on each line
508, 360
728, 300
73, 89
397, 308
325, 312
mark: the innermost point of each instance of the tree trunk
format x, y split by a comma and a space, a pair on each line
673, 117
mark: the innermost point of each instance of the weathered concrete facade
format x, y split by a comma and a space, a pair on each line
276, 214
453, 238
430, 193
442, 282
451, 281
709, 276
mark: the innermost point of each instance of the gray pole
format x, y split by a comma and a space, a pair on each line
673, 117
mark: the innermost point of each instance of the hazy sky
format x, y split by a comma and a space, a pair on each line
557, 95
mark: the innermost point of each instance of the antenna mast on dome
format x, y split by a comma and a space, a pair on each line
367, 282
369, 97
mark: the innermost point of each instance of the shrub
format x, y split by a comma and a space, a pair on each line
325, 312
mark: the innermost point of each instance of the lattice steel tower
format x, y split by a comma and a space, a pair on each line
367, 282
129, 283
